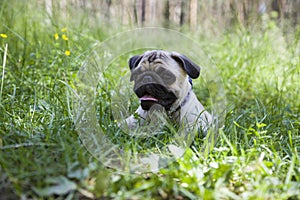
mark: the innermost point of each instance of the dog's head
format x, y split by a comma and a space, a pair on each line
162, 77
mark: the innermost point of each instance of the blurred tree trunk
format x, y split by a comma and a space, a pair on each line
277, 5
135, 13
193, 14
143, 11
107, 13
182, 12
166, 19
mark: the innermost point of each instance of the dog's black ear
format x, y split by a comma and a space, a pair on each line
189, 66
134, 61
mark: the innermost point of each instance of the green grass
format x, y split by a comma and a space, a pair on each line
256, 155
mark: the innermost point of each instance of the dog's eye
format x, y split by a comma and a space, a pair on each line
168, 77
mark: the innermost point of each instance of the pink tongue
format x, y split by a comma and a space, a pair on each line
148, 98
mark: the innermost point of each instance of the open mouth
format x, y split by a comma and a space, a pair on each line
147, 101
148, 97
155, 94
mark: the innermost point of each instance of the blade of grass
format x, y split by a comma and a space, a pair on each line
3, 71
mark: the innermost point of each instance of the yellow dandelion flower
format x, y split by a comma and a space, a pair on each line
56, 36
3, 35
64, 30
68, 53
65, 37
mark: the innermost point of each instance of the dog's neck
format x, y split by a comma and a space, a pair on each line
173, 113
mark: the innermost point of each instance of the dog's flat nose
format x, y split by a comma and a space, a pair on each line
147, 79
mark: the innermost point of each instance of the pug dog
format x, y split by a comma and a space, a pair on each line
163, 82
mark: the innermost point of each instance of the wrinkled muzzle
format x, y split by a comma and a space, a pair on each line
152, 88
